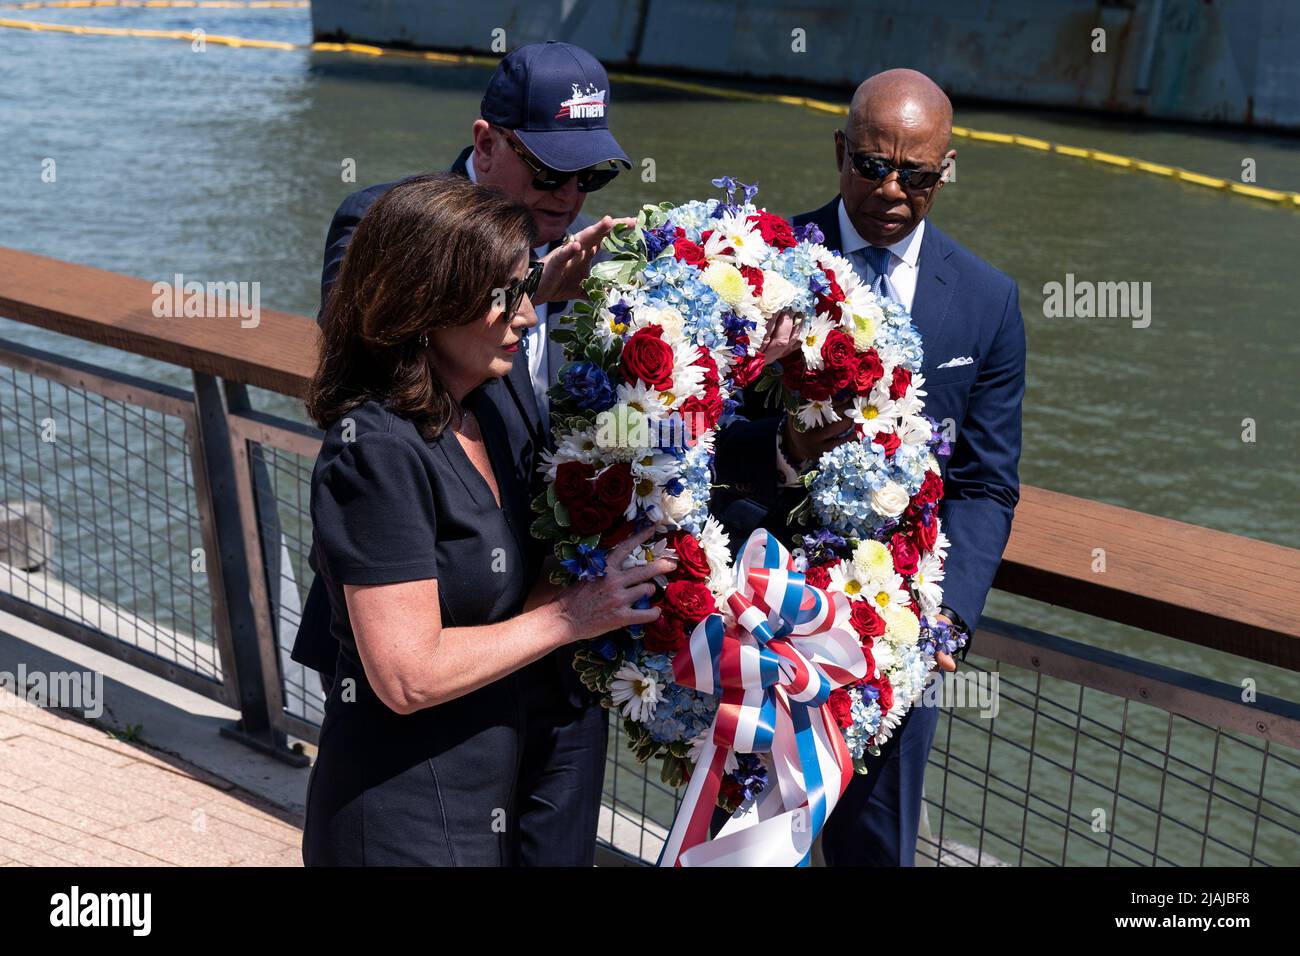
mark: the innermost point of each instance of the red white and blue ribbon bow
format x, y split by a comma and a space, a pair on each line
773, 674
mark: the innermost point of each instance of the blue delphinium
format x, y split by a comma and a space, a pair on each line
809, 232
823, 545
866, 714
751, 774
657, 240
588, 564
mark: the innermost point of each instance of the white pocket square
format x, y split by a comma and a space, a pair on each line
954, 362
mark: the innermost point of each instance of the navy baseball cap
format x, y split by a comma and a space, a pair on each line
555, 96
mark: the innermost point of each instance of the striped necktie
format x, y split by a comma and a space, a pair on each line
877, 259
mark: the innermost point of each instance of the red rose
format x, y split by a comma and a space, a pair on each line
754, 276
730, 792
867, 372
706, 362
616, 535
793, 370
689, 600
776, 232
664, 635
587, 517
646, 356
865, 620
828, 381
841, 707
690, 253
905, 554
747, 371
572, 482
926, 534
886, 694
838, 351
815, 386
828, 301
931, 490
902, 379
699, 415
818, 576
889, 441
692, 563
614, 488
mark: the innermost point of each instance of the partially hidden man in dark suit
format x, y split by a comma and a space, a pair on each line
547, 146
889, 155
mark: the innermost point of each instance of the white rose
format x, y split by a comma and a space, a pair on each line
677, 507
671, 321
913, 430
890, 501
778, 293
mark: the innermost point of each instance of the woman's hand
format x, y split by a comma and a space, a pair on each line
596, 607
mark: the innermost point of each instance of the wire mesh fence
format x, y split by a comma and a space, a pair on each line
1068, 774
1088, 758
102, 523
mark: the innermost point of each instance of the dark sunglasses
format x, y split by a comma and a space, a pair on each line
527, 286
590, 180
875, 169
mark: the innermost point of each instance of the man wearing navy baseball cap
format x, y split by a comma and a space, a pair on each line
543, 139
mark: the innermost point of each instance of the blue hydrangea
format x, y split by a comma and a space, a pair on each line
590, 386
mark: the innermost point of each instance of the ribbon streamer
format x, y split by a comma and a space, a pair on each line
774, 671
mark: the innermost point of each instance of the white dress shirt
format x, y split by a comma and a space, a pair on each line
903, 263
539, 370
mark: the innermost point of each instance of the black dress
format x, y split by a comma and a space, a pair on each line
436, 787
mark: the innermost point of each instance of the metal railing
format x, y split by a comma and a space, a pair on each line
171, 528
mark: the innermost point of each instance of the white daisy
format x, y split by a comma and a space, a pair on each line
812, 414
927, 584
735, 232
871, 416
574, 446
717, 548
635, 693
729, 763
845, 580
648, 553
642, 397
886, 593
812, 337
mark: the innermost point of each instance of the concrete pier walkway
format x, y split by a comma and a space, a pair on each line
72, 794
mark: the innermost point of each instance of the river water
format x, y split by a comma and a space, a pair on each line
226, 165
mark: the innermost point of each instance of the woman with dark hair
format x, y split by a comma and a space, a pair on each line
421, 533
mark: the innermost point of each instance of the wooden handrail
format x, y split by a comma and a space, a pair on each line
1208, 587
278, 354
1220, 590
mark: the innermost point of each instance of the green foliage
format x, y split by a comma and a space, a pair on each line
594, 671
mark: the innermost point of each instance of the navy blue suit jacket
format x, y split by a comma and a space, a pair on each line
963, 308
